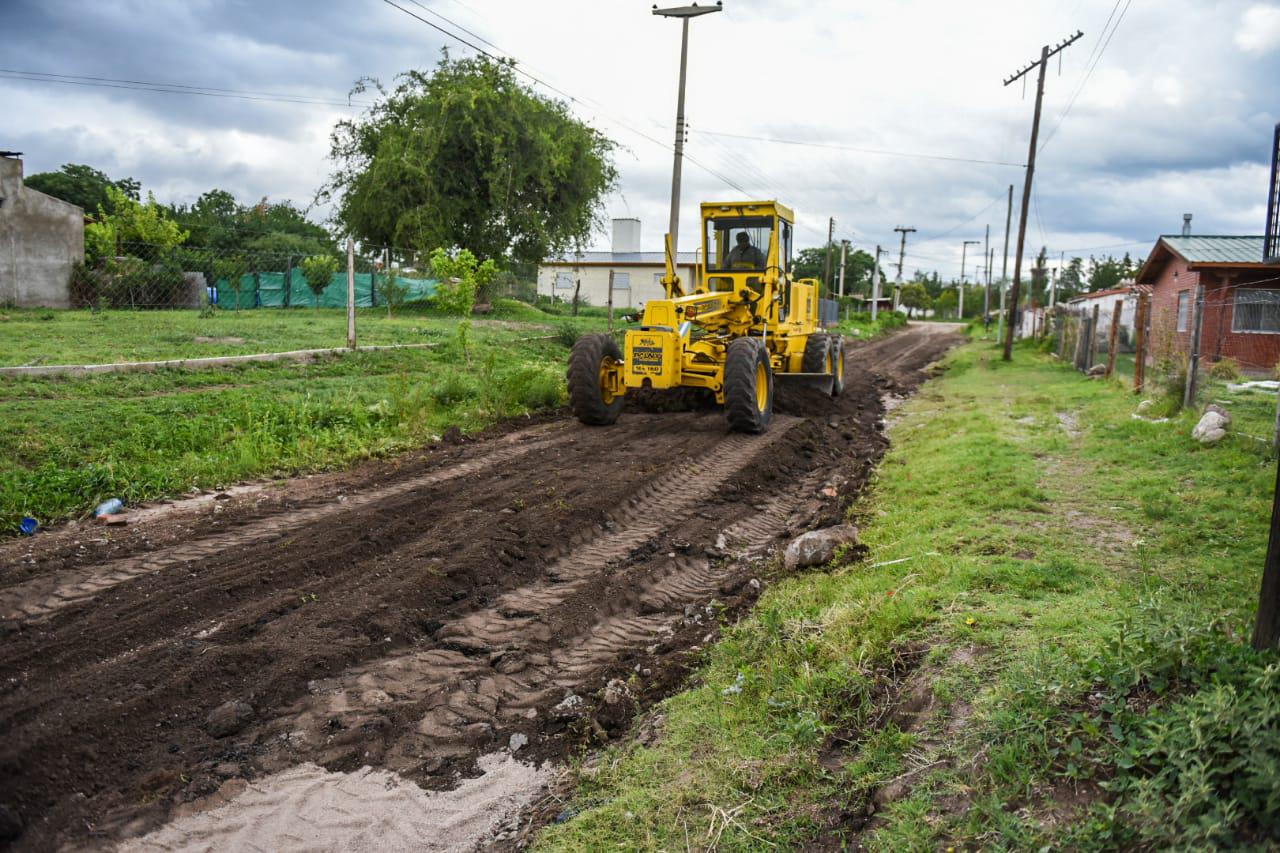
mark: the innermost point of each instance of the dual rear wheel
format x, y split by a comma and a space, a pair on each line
825, 354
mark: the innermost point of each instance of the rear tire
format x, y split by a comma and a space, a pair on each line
816, 352
586, 392
837, 361
748, 386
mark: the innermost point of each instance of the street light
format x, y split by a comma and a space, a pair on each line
684, 13
963, 254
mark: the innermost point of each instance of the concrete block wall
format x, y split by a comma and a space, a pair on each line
41, 239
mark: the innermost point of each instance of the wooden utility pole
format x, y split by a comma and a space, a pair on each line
1113, 338
831, 235
986, 255
902, 254
875, 286
1140, 343
351, 293
1042, 62
1193, 365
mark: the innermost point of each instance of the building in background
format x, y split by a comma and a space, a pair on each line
1241, 299
1105, 300
41, 240
637, 275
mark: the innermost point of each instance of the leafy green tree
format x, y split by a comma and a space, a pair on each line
131, 222
1107, 273
1039, 289
467, 156
460, 276
915, 297
946, 303
392, 290
83, 186
217, 221
318, 270
1072, 281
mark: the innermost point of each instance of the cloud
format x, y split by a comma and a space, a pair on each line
1259, 29
1129, 146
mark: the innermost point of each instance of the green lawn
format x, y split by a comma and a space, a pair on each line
81, 337
68, 443
1061, 592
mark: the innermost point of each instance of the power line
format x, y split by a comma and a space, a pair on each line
860, 150
171, 88
1088, 72
956, 228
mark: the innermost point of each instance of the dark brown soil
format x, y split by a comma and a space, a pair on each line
478, 584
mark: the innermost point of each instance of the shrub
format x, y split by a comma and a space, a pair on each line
453, 388
393, 290
567, 333
1226, 369
318, 270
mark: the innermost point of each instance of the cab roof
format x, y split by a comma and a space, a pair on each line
772, 206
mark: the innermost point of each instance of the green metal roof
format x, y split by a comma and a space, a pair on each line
1216, 250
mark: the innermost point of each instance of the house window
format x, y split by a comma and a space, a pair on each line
1184, 310
1256, 310
622, 281
564, 281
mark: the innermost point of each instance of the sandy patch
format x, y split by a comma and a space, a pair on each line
308, 808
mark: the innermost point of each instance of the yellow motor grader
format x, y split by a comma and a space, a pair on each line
740, 324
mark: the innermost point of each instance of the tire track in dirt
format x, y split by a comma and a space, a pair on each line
38, 599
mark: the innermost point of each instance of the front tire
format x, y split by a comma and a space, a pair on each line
592, 356
748, 386
837, 363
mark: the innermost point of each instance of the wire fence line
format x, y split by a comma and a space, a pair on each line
149, 276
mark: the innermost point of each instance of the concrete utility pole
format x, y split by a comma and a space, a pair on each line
351, 293
684, 13
1193, 366
986, 256
831, 234
844, 252
1042, 62
902, 254
875, 286
964, 253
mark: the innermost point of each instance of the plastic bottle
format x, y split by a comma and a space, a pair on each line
110, 507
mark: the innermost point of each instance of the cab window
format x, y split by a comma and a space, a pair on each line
738, 244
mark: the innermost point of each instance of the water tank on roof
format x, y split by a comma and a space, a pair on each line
626, 235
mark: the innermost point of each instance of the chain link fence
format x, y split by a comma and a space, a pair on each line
145, 276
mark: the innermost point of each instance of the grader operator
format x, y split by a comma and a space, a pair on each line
740, 324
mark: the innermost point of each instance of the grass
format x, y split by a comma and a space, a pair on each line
67, 444
1071, 588
861, 326
83, 337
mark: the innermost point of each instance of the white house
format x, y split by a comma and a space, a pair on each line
1105, 300
637, 275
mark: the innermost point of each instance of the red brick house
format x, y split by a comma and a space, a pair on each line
1241, 299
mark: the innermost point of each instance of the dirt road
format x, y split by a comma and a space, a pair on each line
523, 593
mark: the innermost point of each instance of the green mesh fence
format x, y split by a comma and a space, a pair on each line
289, 289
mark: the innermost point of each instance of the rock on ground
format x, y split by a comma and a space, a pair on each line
818, 546
1212, 427
228, 718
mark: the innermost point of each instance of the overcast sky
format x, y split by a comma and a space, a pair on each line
1175, 117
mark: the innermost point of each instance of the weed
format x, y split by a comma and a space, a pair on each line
568, 332
1225, 369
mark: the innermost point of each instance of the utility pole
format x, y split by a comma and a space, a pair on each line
986, 256
831, 234
875, 286
684, 13
902, 254
844, 252
964, 253
1042, 62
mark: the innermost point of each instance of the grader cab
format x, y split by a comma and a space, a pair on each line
743, 322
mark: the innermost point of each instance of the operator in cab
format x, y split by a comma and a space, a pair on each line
745, 256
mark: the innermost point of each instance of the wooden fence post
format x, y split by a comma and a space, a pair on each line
1062, 339
1113, 337
1140, 343
351, 293
1193, 364
1093, 338
1266, 630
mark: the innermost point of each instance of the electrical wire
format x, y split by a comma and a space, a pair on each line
1088, 73
172, 88
880, 151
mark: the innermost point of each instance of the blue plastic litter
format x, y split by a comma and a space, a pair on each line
110, 507
29, 526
